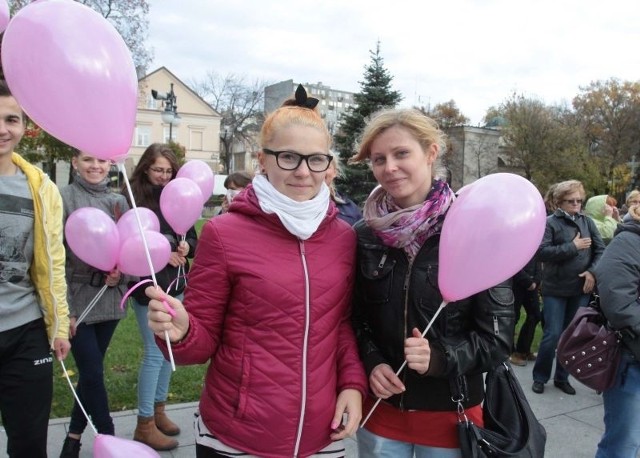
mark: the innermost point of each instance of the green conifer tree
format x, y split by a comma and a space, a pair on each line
375, 94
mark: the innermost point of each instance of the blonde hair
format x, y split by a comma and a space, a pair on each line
564, 188
633, 195
292, 115
549, 204
424, 129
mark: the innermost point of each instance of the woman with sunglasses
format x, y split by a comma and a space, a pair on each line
570, 249
268, 306
156, 168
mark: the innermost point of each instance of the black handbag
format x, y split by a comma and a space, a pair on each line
589, 349
510, 427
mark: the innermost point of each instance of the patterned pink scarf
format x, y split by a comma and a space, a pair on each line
407, 228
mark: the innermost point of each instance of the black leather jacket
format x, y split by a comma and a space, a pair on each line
469, 337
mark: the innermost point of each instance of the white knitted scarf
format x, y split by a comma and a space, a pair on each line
299, 218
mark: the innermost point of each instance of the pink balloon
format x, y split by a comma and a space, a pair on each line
133, 260
93, 237
199, 172
181, 204
105, 446
490, 232
128, 224
4, 15
72, 73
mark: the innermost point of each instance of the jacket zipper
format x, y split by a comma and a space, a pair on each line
405, 293
47, 243
307, 305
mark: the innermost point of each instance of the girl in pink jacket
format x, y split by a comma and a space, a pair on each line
268, 304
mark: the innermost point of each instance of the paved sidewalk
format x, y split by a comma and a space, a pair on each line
574, 423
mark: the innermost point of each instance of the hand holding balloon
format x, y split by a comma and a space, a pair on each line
417, 352
161, 320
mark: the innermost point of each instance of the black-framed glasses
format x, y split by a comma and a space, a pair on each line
290, 160
572, 201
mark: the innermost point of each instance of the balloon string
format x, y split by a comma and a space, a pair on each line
75, 395
424, 333
123, 170
181, 269
92, 304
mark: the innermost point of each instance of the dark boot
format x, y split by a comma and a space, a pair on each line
70, 448
162, 421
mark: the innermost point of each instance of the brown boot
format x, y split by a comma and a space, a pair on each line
162, 421
518, 359
147, 433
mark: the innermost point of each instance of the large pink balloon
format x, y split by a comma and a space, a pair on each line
199, 172
105, 446
4, 15
128, 224
181, 204
490, 232
133, 260
73, 74
93, 237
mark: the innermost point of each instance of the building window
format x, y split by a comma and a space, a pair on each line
238, 161
195, 140
143, 136
152, 103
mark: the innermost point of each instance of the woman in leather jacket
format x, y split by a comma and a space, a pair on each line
396, 294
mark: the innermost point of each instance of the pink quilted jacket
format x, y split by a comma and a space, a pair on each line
272, 315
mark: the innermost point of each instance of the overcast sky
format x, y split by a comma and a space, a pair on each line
476, 52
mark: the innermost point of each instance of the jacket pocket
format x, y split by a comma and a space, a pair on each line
376, 271
502, 295
243, 390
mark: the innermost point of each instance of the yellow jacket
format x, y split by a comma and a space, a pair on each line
47, 267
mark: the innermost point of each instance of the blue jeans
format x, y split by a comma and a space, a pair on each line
155, 371
621, 438
557, 313
373, 446
88, 348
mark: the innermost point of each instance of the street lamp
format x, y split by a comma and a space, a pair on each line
170, 113
226, 137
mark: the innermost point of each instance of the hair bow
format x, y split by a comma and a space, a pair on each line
302, 100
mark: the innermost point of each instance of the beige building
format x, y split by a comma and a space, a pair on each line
473, 152
333, 102
197, 126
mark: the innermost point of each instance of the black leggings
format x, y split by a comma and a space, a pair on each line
206, 452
